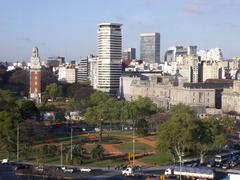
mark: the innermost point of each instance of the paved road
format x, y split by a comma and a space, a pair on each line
7, 173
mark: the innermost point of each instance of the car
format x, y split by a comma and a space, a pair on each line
58, 168
85, 170
211, 164
21, 166
39, 168
67, 170
234, 163
226, 165
5, 161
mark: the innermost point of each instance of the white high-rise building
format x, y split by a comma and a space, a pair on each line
214, 54
110, 54
93, 70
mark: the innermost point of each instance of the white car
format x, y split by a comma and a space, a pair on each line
5, 161
39, 168
85, 170
65, 169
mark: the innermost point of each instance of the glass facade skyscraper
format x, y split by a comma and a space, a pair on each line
150, 47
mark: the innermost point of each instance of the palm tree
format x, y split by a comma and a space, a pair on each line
97, 152
78, 152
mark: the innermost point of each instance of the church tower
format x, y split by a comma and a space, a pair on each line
35, 76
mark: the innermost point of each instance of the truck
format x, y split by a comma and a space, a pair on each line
132, 171
233, 177
190, 172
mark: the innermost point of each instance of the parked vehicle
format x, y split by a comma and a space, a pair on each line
210, 164
85, 170
5, 161
132, 171
233, 176
235, 153
190, 172
21, 166
226, 165
220, 159
39, 168
234, 163
67, 170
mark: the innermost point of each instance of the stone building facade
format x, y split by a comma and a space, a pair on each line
170, 90
231, 99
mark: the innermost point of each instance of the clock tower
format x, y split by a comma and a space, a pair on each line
35, 76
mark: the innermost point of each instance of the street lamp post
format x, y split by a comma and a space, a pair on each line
17, 142
61, 155
71, 143
133, 145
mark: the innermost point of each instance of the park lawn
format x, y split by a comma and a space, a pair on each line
157, 159
139, 148
3, 155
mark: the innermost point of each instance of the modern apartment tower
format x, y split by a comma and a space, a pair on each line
110, 55
150, 47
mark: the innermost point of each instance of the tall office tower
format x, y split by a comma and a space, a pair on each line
82, 71
110, 55
150, 47
35, 76
129, 54
192, 50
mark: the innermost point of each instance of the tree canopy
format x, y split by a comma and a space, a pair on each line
183, 130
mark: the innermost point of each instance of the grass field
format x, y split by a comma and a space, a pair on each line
157, 159
120, 140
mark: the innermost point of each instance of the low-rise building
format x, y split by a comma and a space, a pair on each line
171, 90
231, 99
67, 74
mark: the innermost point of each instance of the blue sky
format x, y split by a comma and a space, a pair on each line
69, 27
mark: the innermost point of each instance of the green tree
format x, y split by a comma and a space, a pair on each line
79, 153
176, 134
8, 123
141, 127
124, 116
98, 98
139, 111
97, 152
203, 139
28, 109
98, 113
52, 91
12, 116
7, 102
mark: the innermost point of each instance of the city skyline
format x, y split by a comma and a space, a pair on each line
70, 29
